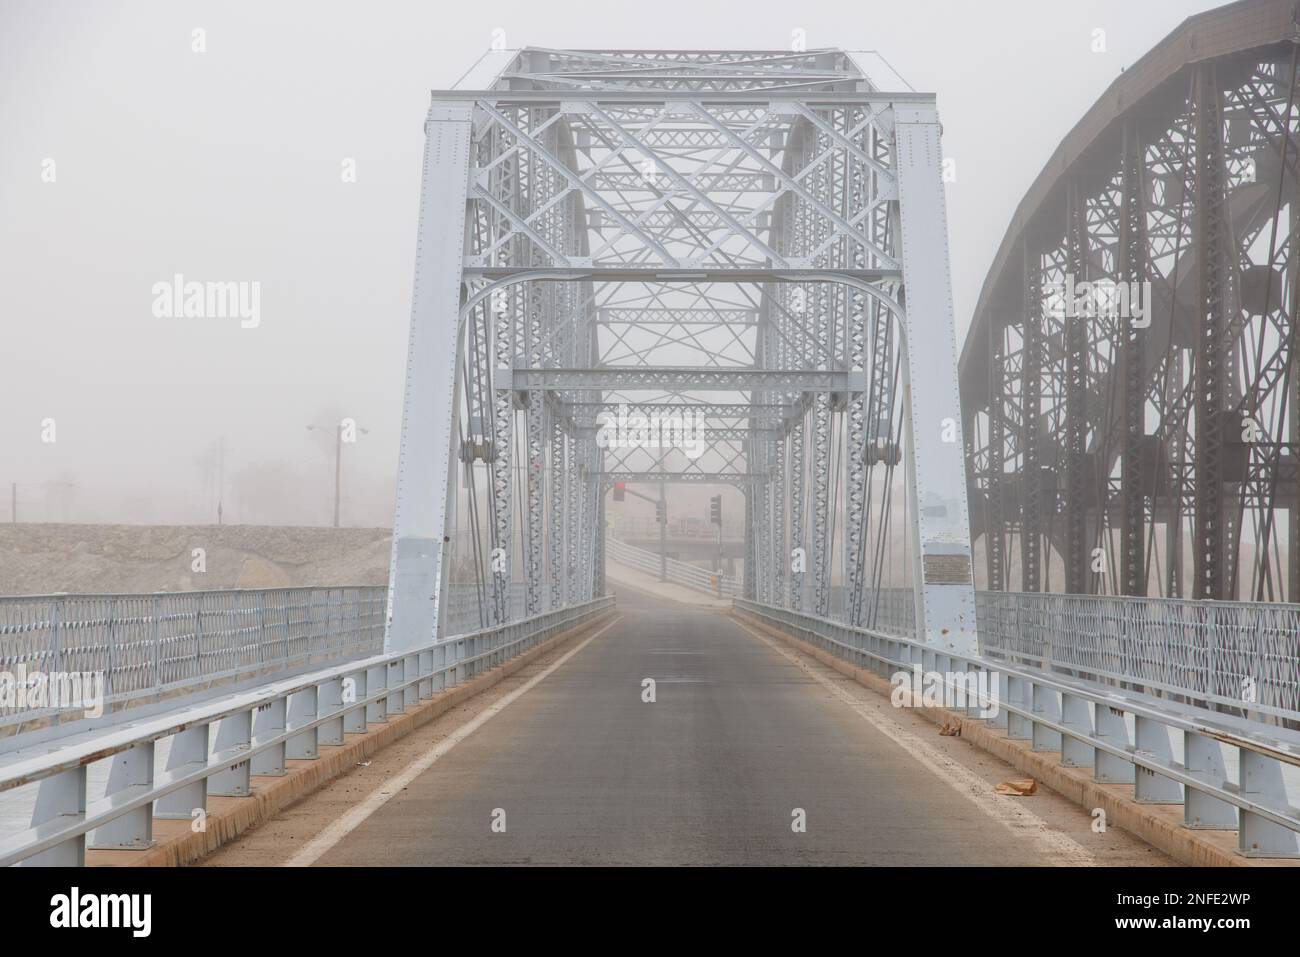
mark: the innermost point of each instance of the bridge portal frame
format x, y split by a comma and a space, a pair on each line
839, 195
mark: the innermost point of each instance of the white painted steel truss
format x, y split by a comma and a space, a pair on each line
749, 237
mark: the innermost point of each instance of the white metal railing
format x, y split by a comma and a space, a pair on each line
680, 573
466, 603
1090, 725
891, 608
144, 646
1241, 656
214, 747
1225, 654
150, 644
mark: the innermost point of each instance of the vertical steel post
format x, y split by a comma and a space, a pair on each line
417, 576
940, 529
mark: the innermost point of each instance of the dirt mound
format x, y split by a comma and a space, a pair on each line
40, 558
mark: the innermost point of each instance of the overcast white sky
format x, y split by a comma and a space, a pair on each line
225, 165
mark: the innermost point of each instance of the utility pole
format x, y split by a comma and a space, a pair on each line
663, 533
661, 516
221, 474
338, 469
13, 503
338, 457
715, 516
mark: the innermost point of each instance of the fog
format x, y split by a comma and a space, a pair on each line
128, 158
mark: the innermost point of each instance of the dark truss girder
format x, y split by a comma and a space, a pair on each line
1129, 447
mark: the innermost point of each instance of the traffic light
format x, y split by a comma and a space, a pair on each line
715, 510
661, 513
620, 491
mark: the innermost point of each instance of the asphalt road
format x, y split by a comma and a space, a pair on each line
580, 770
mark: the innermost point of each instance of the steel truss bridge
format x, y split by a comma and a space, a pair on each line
1112, 452
755, 243
744, 241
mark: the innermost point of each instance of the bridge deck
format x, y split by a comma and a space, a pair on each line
741, 734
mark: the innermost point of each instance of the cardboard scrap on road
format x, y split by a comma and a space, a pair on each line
1020, 787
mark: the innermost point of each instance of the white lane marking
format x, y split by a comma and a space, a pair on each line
1028, 827
377, 798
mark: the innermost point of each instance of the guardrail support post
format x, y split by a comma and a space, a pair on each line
269, 721
356, 689
1203, 758
983, 698
1002, 718
1261, 780
1019, 728
1152, 738
303, 707
376, 711
1108, 768
61, 796
1046, 705
411, 669
394, 675
234, 733
426, 674
892, 651
942, 663
452, 654
130, 770
329, 700
189, 752
439, 664
1077, 716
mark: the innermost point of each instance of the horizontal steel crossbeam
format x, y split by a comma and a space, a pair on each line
697, 478
695, 379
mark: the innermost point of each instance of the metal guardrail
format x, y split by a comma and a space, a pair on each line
680, 573
253, 732
1230, 654
1087, 725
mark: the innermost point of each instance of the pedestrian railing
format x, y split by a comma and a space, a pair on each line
147, 645
142, 647
889, 608
1222, 656
213, 748
680, 573
1225, 655
1089, 725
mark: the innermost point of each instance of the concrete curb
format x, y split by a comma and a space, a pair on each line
228, 817
1159, 825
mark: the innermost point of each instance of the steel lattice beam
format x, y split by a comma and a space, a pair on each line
1155, 450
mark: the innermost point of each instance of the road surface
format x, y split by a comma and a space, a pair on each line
744, 739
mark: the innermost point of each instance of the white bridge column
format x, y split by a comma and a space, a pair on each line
945, 590
416, 583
